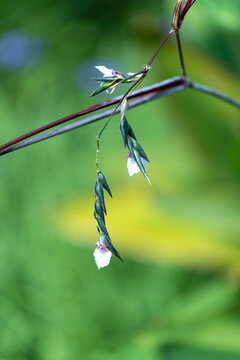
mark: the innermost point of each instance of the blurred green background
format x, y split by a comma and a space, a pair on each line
176, 297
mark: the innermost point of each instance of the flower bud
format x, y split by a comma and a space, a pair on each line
175, 19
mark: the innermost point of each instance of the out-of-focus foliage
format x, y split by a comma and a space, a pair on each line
177, 294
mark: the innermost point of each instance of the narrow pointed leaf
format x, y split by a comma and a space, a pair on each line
99, 210
139, 161
99, 193
102, 226
139, 149
104, 183
140, 165
131, 133
130, 146
101, 88
124, 130
107, 242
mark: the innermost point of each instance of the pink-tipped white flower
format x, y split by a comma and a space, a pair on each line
132, 166
102, 255
109, 72
113, 77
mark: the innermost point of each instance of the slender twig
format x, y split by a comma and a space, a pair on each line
162, 85
159, 47
209, 91
137, 98
183, 69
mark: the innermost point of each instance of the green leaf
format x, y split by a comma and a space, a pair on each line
99, 210
101, 88
131, 133
107, 241
104, 183
124, 126
102, 226
106, 79
130, 146
138, 160
99, 193
139, 149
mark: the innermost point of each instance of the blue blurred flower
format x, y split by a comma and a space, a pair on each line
19, 49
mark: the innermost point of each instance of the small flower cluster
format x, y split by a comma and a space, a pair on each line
137, 158
105, 248
111, 79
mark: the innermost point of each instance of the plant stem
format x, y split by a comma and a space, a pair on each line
209, 91
159, 47
139, 97
180, 54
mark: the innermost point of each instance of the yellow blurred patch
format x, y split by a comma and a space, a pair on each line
144, 226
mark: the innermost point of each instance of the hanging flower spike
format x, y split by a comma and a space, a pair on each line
137, 158
105, 248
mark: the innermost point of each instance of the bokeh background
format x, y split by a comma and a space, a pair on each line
176, 297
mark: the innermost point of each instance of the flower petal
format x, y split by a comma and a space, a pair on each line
105, 71
102, 256
132, 166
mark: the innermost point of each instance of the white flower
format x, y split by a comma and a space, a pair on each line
102, 255
132, 166
109, 73
106, 71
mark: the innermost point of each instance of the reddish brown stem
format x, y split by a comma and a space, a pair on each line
87, 111
156, 52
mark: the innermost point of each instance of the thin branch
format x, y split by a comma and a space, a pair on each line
183, 69
215, 93
166, 84
159, 47
137, 98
